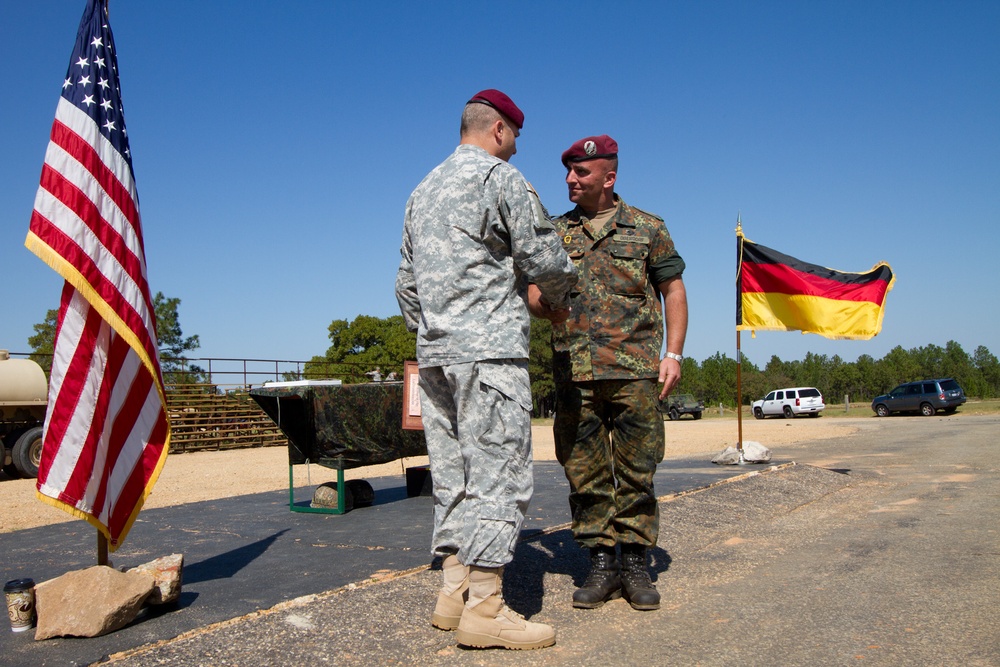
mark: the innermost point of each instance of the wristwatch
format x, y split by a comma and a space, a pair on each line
679, 358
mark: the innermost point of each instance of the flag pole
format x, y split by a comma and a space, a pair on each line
88, 149
739, 392
739, 354
102, 539
102, 548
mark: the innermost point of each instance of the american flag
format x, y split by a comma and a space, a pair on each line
106, 431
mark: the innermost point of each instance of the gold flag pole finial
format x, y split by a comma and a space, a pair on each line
739, 224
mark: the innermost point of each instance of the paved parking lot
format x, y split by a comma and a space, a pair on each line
874, 549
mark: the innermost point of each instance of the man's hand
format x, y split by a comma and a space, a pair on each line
539, 307
670, 375
675, 313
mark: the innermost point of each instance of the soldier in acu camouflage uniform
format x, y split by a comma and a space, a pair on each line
608, 432
473, 237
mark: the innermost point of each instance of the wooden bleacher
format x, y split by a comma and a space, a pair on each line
202, 418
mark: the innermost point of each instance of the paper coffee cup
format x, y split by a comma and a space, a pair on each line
20, 596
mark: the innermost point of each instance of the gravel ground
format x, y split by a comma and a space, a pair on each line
197, 476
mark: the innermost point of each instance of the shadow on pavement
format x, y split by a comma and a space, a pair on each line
225, 565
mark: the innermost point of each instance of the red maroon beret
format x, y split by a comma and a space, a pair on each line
501, 103
590, 148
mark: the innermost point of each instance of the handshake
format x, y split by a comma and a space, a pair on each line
539, 307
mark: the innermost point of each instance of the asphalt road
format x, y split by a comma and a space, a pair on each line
878, 549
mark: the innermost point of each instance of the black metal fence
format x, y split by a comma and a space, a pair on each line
231, 373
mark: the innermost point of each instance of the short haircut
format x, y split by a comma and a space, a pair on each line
612, 163
478, 118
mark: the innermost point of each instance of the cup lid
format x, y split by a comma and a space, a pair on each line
16, 585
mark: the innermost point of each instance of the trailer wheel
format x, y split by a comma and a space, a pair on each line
10, 469
27, 452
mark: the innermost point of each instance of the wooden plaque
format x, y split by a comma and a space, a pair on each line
411, 397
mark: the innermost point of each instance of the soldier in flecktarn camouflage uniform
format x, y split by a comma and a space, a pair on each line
474, 236
606, 357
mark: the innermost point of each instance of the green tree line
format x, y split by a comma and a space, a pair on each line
362, 346
368, 343
714, 379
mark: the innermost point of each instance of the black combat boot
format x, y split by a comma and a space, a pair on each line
603, 583
636, 586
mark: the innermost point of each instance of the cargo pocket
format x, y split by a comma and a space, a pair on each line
505, 403
510, 378
495, 535
628, 268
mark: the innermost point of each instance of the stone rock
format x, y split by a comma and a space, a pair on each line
90, 602
168, 573
730, 456
753, 452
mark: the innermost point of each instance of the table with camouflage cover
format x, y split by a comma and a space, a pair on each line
340, 426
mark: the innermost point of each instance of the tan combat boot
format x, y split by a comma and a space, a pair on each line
453, 594
489, 623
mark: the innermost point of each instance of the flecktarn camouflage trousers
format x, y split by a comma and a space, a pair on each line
609, 439
477, 423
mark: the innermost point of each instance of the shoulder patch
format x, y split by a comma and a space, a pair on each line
546, 219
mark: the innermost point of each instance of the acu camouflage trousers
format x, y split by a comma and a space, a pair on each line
477, 423
609, 439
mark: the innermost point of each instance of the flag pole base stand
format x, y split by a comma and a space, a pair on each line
733, 455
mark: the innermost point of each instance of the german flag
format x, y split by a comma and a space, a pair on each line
777, 292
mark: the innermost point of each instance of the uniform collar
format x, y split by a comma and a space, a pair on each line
621, 218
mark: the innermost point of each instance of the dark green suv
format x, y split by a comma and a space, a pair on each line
676, 405
923, 396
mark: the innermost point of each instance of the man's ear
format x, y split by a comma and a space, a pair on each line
610, 178
498, 129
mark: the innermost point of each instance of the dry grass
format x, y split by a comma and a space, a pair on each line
208, 475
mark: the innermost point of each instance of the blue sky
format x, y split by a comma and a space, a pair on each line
275, 145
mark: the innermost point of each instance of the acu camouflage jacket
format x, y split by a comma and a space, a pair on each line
473, 237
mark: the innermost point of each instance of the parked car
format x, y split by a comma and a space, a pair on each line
923, 396
789, 403
676, 405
